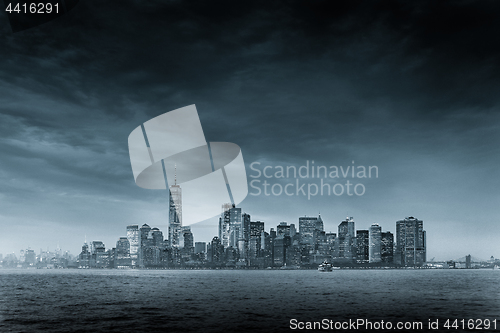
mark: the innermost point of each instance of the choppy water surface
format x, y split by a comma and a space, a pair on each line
216, 301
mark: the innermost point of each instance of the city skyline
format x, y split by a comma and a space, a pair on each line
346, 227
175, 210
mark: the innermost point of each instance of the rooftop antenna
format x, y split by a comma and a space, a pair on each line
175, 174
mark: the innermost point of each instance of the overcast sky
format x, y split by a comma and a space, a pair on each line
411, 88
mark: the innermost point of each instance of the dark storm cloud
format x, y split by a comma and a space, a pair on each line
382, 82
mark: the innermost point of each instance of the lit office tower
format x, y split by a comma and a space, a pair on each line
143, 243
410, 242
151, 247
224, 223
215, 251
307, 230
231, 226
98, 252
387, 249
375, 235
122, 253
175, 215
255, 243
346, 239
133, 239
363, 246
244, 236
188, 241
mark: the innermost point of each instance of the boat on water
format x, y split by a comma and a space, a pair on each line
496, 267
326, 267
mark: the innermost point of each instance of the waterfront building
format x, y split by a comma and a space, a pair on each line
244, 237
30, 257
468, 260
387, 248
188, 241
224, 223
133, 239
235, 226
255, 242
307, 229
362, 246
84, 257
175, 215
143, 243
375, 239
99, 257
281, 244
122, 253
215, 251
346, 239
410, 242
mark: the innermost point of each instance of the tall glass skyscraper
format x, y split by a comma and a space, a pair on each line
363, 246
224, 225
133, 239
307, 230
387, 249
410, 242
122, 253
346, 239
235, 226
175, 215
255, 245
143, 243
231, 226
375, 235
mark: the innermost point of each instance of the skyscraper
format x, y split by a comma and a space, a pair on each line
30, 257
255, 243
157, 237
387, 249
175, 215
281, 244
133, 239
122, 253
188, 241
215, 251
224, 224
143, 243
98, 255
410, 242
244, 237
375, 235
363, 246
307, 230
235, 226
346, 239
84, 257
